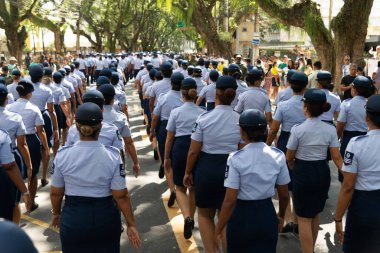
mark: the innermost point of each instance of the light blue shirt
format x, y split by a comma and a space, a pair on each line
255, 170
160, 87
208, 92
30, 114
218, 130
98, 170
42, 95
166, 103
12, 123
6, 154
182, 119
64, 89
352, 112
334, 101
111, 116
242, 87
68, 86
146, 86
290, 113
284, 95
58, 93
200, 84
12, 89
253, 98
312, 139
109, 136
362, 158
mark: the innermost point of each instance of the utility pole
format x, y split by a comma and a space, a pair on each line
330, 13
256, 34
78, 31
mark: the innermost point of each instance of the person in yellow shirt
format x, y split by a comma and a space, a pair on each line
275, 80
221, 66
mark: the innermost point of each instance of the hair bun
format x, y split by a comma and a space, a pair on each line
326, 107
20, 88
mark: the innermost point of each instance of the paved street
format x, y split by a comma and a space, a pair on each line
160, 227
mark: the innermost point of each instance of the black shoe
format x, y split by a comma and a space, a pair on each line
144, 122
295, 229
33, 207
161, 172
172, 199
155, 152
188, 228
289, 228
44, 182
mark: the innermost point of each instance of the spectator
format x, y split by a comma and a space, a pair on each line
345, 84
309, 67
313, 76
268, 79
376, 76
27, 59
346, 66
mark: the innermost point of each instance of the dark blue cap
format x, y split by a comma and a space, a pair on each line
152, 73
180, 61
57, 77
214, 75
26, 85
76, 63
16, 72
89, 113
324, 75
225, 82
3, 89
177, 78
48, 71
166, 66
290, 73
373, 104
107, 90
149, 66
67, 68
62, 71
214, 63
197, 70
314, 96
188, 83
184, 62
115, 78
233, 67
102, 80
252, 118
362, 81
106, 72
254, 75
94, 96
201, 61
2, 80
146, 62
36, 71
300, 79
14, 239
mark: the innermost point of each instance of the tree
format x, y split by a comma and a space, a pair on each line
348, 28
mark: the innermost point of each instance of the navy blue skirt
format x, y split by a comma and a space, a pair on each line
253, 227
61, 118
347, 136
35, 147
281, 145
161, 137
210, 106
48, 128
362, 232
311, 184
179, 152
7, 195
22, 168
90, 225
209, 180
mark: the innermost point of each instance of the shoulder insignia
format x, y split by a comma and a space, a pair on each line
113, 149
226, 173
122, 170
64, 148
348, 157
359, 137
52, 169
118, 135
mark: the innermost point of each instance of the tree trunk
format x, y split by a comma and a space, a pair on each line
57, 41
16, 41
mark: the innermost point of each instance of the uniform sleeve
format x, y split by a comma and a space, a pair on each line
11, 99
268, 106
57, 177
283, 177
197, 132
70, 140
278, 115
350, 159
158, 107
239, 107
338, 104
343, 113
6, 155
21, 130
118, 181
152, 92
293, 140
39, 120
50, 97
123, 99
118, 141
61, 97
171, 122
203, 92
334, 142
232, 175
125, 131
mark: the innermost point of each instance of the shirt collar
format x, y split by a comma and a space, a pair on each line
224, 107
255, 144
87, 143
374, 132
22, 100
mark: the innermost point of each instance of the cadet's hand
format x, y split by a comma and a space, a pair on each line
280, 223
27, 201
29, 173
167, 164
136, 170
56, 136
56, 221
68, 122
339, 231
133, 236
188, 180
152, 136
218, 239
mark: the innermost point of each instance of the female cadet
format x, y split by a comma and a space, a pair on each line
324, 79
35, 133
90, 219
120, 95
13, 125
286, 93
235, 71
43, 99
251, 176
351, 120
215, 135
308, 144
197, 75
166, 103
288, 114
180, 124
208, 92
360, 191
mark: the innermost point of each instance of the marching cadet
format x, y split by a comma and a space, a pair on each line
197, 75
43, 99
146, 87
16, 76
161, 87
254, 97
10, 97
70, 87
111, 116
10, 178
215, 135
324, 79
235, 72
120, 96
13, 125
185, 65
251, 177
286, 93
109, 134
80, 74
306, 156
360, 190
35, 132
288, 114
190, 70
351, 121
208, 92
180, 124
90, 184
160, 116
74, 82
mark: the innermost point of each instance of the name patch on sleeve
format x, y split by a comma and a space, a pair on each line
52, 169
194, 127
226, 173
348, 157
122, 170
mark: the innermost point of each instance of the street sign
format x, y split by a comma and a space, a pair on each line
256, 36
180, 24
256, 42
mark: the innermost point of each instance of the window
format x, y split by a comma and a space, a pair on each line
244, 29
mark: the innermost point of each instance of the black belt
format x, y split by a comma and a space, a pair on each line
241, 201
88, 199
